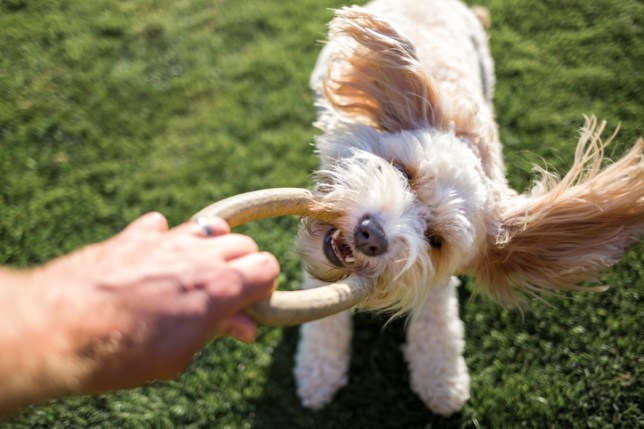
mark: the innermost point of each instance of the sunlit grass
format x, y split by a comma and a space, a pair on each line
109, 109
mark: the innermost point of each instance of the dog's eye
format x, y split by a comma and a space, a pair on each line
434, 241
402, 171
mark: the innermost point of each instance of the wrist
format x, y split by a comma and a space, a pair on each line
40, 358
69, 324
31, 347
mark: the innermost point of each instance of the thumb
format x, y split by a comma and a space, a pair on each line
241, 327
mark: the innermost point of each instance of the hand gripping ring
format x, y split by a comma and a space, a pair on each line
286, 308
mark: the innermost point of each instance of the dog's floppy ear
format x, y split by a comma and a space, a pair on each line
565, 232
376, 78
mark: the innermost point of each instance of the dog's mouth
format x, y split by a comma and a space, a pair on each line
337, 250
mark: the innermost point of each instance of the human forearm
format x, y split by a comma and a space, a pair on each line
35, 359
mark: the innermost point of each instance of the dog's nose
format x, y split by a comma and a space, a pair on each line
370, 238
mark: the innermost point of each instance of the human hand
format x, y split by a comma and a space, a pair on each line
138, 306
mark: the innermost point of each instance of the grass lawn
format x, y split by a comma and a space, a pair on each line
110, 109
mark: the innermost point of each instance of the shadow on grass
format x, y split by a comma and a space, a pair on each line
377, 395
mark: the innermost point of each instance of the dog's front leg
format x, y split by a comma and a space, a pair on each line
322, 359
434, 352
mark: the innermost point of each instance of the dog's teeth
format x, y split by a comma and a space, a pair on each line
349, 259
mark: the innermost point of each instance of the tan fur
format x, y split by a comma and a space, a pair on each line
483, 15
567, 231
380, 82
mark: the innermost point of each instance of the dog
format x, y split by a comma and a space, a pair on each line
412, 163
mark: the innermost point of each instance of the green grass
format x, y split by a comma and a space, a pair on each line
109, 109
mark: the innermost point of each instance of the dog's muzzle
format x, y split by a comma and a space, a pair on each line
285, 308
369, 239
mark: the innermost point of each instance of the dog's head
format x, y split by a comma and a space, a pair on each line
412, 212
412, 195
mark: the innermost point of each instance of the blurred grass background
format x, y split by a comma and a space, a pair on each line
110, 109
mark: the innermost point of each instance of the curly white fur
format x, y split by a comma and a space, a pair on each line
409, 144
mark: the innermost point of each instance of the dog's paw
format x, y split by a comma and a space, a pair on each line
444, 393
319, 378
322, 359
